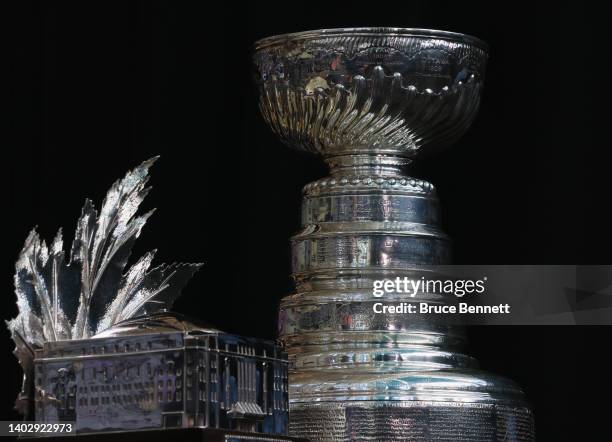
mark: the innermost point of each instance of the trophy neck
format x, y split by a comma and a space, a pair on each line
367, 164
366, 222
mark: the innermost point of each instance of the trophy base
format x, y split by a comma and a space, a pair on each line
398, 404
411, 421
176, 434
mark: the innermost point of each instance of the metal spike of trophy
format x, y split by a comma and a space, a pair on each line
368, 100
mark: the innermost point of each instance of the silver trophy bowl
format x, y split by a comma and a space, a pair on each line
368, 100
370, 91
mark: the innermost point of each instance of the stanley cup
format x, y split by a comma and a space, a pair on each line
368, 100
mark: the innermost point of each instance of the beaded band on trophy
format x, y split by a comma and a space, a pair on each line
368, 100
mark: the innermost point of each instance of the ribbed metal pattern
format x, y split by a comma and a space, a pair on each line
391, 90
412, 422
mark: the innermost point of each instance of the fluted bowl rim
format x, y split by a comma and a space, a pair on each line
371, 31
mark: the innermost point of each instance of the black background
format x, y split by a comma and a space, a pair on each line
97, 87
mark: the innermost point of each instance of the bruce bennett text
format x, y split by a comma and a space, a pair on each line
461, 308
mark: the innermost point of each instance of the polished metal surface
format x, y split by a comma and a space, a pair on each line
373, 90
99, 348
368, 100
162, 371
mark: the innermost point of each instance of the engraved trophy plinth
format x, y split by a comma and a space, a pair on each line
368, 100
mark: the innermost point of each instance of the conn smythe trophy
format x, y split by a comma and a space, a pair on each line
99, 347
368, 100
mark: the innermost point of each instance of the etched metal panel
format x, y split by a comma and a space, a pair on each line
162, 379
413, 421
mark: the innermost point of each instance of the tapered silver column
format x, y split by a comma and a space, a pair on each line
368, 100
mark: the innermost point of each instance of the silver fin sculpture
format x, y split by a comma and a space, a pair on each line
76, 299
